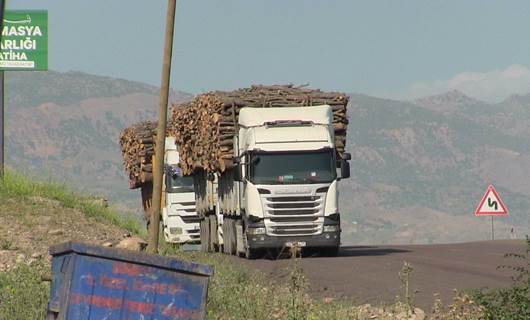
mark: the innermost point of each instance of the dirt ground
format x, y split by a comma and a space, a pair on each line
29, 227
370, 274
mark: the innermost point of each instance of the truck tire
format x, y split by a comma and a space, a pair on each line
205, 234
202, 236
226, 243
214, 243
250, 253
232, 236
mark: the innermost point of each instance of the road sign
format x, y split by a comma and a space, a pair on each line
24, 42
491, 204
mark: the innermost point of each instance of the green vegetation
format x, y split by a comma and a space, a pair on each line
18, 186
514, 302
6, 244
405, 276
23, 295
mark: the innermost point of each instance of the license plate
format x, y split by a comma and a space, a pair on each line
295, 244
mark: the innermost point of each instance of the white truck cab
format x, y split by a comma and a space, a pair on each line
283, 190
179, 217
289, 177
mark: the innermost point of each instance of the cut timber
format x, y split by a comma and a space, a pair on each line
137, 147
204, 127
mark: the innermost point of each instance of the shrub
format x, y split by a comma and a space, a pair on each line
514, 302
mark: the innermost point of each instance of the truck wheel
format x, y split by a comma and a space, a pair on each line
202, 236
226, 244
214, 244
205, 234
232, 238
330, 251
250, 253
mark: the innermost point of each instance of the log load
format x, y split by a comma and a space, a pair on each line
204, 128
137, 146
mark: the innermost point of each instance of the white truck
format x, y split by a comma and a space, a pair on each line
180, 222
283, 190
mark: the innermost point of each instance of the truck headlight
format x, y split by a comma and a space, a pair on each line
175, 230
255, 231
332, 228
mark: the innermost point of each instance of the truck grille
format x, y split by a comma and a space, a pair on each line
294, 230
294, 215
190, 219
184, 208
194, 234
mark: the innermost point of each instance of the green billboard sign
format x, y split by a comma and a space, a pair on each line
24, 42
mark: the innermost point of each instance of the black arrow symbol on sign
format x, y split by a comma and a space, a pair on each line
492, 203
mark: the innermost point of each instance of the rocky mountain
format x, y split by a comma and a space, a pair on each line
419, 168
65, 126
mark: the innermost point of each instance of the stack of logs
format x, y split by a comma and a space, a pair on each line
137, 146
204, 128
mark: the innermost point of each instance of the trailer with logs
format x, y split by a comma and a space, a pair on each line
266, 162
180, 222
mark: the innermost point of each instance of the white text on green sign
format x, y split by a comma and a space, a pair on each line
24, 44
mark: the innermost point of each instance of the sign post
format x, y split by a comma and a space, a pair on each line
491, 205
23, 47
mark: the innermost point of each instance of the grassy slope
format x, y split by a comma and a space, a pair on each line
33, 209
20, 187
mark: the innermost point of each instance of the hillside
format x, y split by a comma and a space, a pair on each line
419, 168
35, 215
66, 126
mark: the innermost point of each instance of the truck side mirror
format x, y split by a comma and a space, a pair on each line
238, 168
237, 173
344, 169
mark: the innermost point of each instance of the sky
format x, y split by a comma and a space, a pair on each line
397, 49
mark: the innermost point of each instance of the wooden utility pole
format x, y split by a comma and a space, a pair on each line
158, 165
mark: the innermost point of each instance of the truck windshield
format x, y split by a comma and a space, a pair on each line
177, 184
293, 167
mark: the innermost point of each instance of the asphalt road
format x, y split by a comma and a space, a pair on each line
369, 274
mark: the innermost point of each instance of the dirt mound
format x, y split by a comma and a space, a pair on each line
29, 226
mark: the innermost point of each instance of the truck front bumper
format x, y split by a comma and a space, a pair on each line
323, 240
